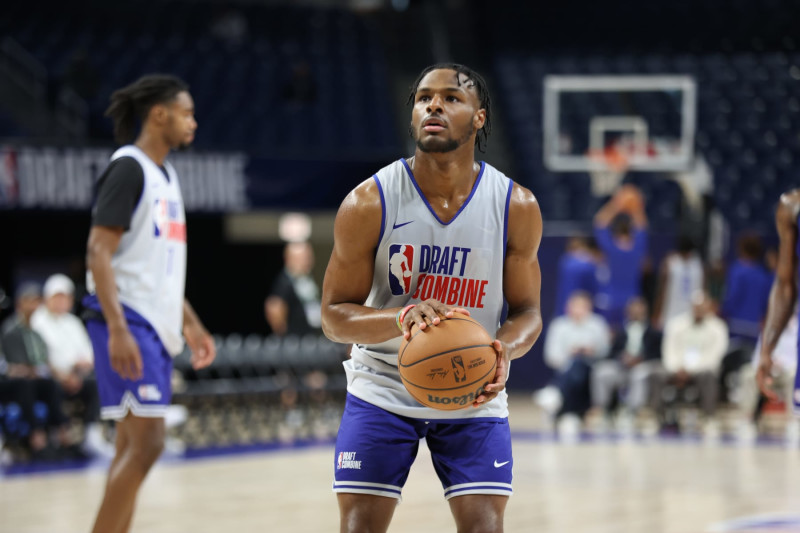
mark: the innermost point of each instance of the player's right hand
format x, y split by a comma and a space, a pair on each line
428, 313
124, 354
764, 377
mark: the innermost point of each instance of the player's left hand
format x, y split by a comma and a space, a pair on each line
764, 378
201, 344
501, 373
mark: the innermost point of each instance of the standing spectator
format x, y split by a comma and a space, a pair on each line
620, 228
574, 341
746, 291
28, 377
633, 365
577, 271
70, 356
746, 297
693, 347
292, 307
681, 277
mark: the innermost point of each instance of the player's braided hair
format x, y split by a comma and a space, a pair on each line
480, 87
131, 104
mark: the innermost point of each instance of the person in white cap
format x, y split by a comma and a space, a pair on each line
71, 356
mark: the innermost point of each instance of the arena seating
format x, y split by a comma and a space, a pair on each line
263, 365
238, 89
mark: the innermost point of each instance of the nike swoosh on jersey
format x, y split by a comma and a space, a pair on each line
498, 465
401, 225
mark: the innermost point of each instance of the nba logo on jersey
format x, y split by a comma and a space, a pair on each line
160, 217
166, 221
401, 266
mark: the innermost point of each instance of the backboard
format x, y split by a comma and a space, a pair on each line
603, 123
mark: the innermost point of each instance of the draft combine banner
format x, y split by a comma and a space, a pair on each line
63, 178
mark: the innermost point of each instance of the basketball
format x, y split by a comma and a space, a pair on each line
447, 366
629, 197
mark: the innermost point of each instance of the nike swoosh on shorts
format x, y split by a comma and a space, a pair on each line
498, 465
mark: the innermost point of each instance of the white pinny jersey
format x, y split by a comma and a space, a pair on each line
459, 263
150, 263
684, 278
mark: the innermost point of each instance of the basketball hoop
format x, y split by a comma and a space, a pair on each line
608, 167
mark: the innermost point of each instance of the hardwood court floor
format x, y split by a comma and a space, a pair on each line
599, 487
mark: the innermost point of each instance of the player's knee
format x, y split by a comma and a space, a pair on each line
146, 450
478, 514
491, 523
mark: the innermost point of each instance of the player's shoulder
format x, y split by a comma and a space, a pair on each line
523, 195
790, 198
362, 207
523, 201
520, 196
364, 195
789, 205
370, 192
126, 166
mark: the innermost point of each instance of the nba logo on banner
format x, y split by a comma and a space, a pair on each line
401, 266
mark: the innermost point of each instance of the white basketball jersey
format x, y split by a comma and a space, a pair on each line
459, 263
150, 263
684, 278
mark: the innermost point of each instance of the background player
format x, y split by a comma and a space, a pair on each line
783, 295
455, 220
136, 256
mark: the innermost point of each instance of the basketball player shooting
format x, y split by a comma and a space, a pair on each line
136, 256
783, 295
469, 236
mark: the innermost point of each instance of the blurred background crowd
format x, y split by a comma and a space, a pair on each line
657, 259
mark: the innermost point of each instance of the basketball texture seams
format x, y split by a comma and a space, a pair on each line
463, 348
489, 372
446, 366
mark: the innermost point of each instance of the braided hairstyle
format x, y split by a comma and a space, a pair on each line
131, 104
482, 138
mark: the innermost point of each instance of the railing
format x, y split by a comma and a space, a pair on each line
24, 70
23, 84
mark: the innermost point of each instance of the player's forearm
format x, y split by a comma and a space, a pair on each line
781, 303
605, 214
190, 317
99, 263
357, 324
520, 331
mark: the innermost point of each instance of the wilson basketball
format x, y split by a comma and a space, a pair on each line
447, 366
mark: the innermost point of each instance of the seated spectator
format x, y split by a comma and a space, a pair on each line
633, 365
28, 377
693, 347
577, 271
573, 342
620, 229
71, 356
